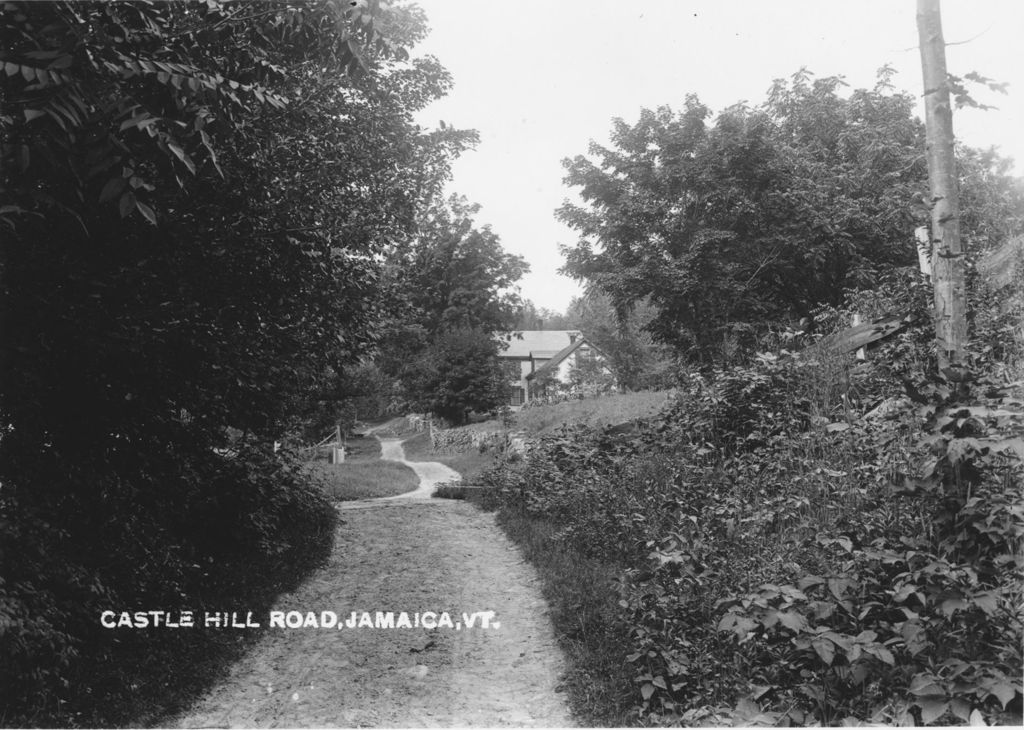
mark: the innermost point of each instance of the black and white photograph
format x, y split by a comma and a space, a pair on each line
496, 364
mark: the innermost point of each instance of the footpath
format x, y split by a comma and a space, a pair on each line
427, 558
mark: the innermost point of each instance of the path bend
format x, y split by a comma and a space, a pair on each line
414, 554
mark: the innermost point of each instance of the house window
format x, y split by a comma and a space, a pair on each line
517, 396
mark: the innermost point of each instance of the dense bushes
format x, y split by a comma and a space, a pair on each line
784, 557
196, 203
222, 533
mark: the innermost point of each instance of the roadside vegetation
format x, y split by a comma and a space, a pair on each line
205, 214
221, 229
534, 420
605, 410
798, 537
764, 551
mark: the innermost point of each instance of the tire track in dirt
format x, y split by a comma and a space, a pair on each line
413, 555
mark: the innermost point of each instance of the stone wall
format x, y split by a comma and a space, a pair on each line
466, 438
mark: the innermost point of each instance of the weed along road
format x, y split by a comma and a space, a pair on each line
379, 637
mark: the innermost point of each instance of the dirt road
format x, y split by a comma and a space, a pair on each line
412, 555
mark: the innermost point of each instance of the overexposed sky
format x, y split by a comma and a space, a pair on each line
539, 80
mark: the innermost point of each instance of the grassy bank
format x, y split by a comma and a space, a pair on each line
362, 475
606, 410
598, 681
364, 479
357, 448
757, 554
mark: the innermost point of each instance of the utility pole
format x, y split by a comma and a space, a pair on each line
950, 294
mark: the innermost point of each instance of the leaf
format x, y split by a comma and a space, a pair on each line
180, 154
810, 580
822, 609
977, 719
126, 204
915, 637
1005, 692
647, 691
740, 625
1013, 445
837, 426
932, 708
825, 649
924, 684
838, 586
952, 605
859, 672
987, 601
747, 708
882, 654
959, 449
793, 621
845, 542
113, 188
961, 708
146, 211
137, 120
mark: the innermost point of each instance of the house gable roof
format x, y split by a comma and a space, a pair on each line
539, 343
557, 359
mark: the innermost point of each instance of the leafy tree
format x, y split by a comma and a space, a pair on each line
759, 214
456, 279
458, 372
637, 361
532, 317
195, 201
457, 275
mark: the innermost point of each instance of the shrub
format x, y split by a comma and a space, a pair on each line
191, 543
782, 558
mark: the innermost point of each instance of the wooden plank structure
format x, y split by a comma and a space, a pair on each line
854, 338
1000, 267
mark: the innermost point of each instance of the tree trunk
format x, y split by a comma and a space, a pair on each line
950, 297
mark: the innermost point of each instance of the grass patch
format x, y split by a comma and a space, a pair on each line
469, 463
362, 448
357, 448
583, 607
457, 491
604, 410
364, 479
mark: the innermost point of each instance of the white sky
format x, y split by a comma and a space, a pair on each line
539, 80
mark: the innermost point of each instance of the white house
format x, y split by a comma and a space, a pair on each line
534, 354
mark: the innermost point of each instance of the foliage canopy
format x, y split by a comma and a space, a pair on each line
196, 200
759, 215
